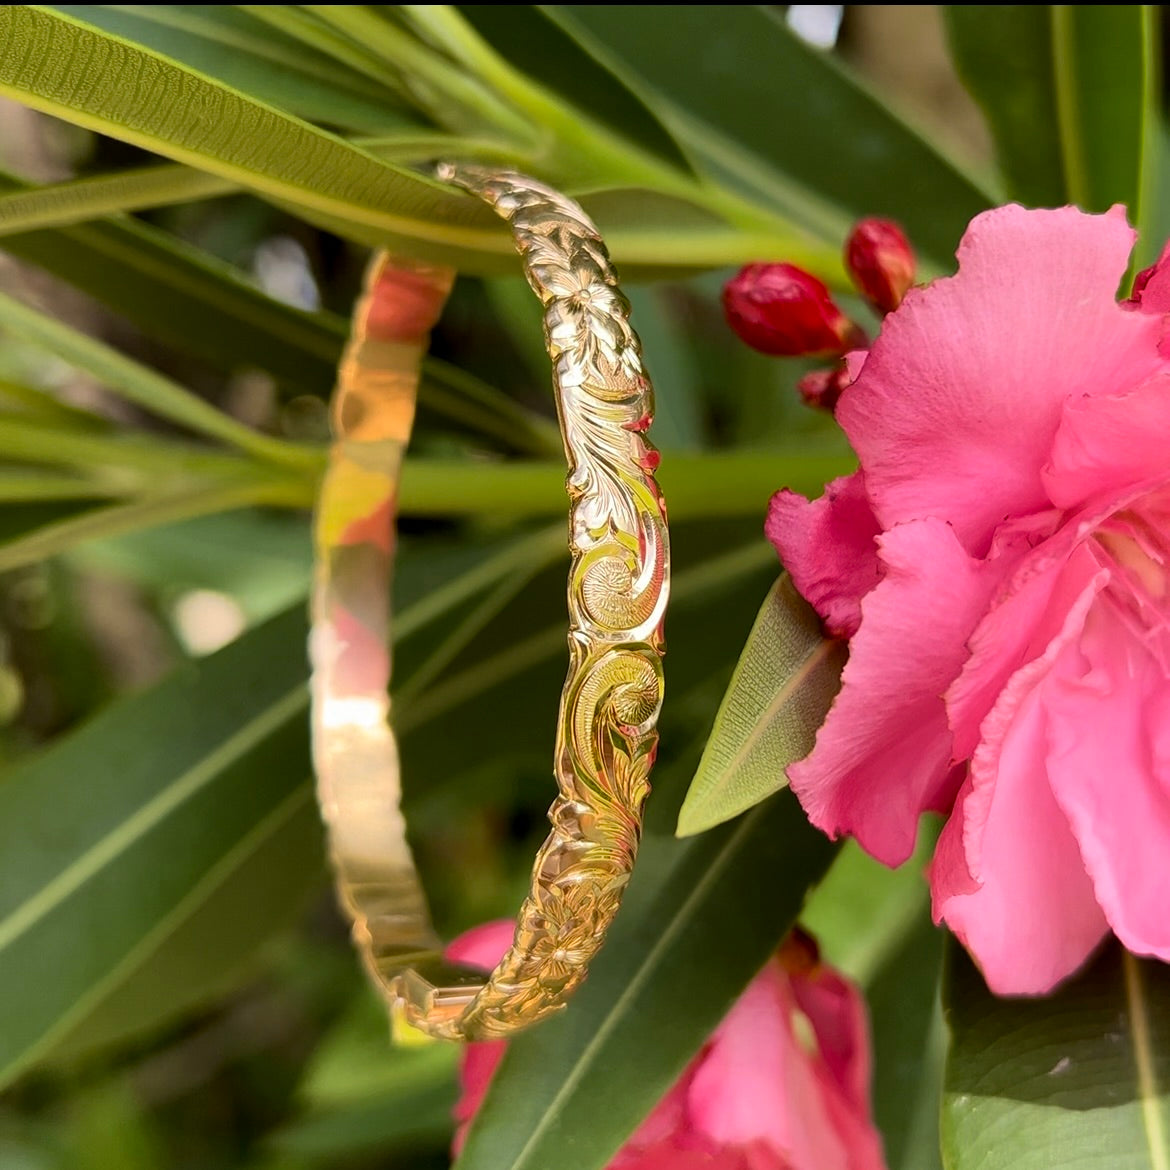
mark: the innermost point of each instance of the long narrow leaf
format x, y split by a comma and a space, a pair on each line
532, 43
740, 73
696, 485
238, 50
186, 297
214, 938
65, 67
93, 867
1079, 1078
116, 839
1106, 101
60, 535
1003, 53
1069, 92
141, 385
783, 685
78, 200
690, 936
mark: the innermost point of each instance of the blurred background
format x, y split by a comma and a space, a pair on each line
240, 1034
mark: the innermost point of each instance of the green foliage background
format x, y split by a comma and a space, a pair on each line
176, 989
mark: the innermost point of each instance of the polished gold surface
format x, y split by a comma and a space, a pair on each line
617, 591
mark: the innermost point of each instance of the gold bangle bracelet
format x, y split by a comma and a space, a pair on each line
617, 591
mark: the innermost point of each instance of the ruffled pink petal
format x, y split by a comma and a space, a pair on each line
1110, 442
954, 411
1022, 621
1007, 876
883, 755
1151, 288
829, 547
854, 363
759, 1086
676, 1153
741, 1090
837, 1012
1109, 766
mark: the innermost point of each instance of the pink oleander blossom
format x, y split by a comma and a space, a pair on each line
783, 1084
999, 564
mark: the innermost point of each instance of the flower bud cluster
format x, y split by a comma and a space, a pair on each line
782, 310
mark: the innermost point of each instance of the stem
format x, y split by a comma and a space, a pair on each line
417, 62
577, 135
695, 486
52, 539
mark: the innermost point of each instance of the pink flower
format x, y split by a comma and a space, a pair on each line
783, 1084
1000, 564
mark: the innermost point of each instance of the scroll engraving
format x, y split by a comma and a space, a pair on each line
617, 591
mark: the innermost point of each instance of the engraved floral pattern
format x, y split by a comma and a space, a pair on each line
606, 737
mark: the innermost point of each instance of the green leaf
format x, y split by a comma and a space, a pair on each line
727, 484
1070, 93
124, 842
108, 837
1079, 1078
450, 94
863, 911
189, 299
78, 200
689, 937
61, 66
1107, 101
143, 386
186, 298
545, 53
162, 106
873, 924
768, 103
784, 683
124, 459
238, 50
1003, 54
24, 486
696, 486
909, 1045
215, 938
59, 534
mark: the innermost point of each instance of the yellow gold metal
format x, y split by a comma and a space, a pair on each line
617, 591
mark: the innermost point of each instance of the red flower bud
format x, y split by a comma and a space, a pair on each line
881, 262
778, 309
1139, 284
822, 388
